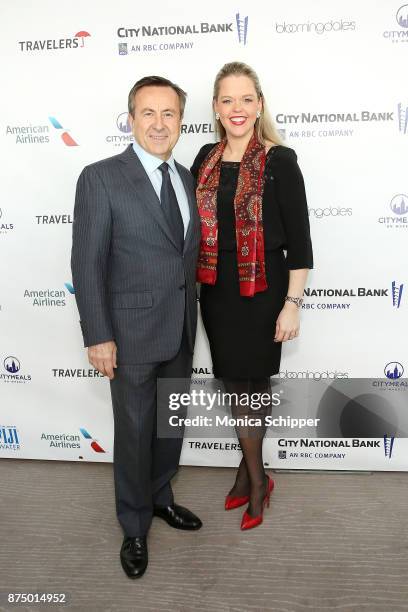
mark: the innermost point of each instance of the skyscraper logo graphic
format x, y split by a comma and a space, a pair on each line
242, 28
12, 365
388, 445
65, 137
396, 294
399, 204
403, 118
394, 370
123, 124
402, 16
94, 444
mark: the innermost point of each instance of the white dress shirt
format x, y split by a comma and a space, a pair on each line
151, 164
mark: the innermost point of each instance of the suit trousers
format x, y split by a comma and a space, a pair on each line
144, 463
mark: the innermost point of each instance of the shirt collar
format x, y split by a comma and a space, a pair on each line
150, 162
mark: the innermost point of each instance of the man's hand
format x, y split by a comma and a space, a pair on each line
103, 358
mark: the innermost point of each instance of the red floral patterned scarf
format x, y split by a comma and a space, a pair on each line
248, 217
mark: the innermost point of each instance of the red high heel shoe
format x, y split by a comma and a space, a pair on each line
233, 501
248, 521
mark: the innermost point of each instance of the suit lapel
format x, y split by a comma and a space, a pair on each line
191, 204
136, 175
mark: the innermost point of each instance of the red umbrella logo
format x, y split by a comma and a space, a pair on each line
82, 34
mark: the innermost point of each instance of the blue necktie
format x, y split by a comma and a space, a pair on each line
170, 206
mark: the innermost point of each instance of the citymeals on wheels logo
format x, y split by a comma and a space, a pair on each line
39, 133
124, 134
9, 438
399, 207
12, 367
52, 44
394, 381
179, 37
400, 35
5, 227
394, 370
123, 124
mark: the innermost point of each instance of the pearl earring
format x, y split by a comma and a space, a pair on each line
217, 116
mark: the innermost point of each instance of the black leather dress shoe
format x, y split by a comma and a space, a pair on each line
178, 517
133, 556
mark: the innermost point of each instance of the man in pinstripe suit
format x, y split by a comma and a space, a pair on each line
135, 246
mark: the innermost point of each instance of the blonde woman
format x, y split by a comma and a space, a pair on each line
252, 206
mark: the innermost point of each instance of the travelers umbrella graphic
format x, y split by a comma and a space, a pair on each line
82, 34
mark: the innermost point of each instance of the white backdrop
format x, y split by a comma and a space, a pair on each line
334, 78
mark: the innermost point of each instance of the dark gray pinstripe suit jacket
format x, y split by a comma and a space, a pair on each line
132, 284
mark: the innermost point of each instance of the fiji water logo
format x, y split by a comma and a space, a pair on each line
94, 444
12, 365
402, 118
399, 204
70, 288
402, 16
394, 370
388, 445
9, 438
123, 124
396, 291
242, 28
65, 137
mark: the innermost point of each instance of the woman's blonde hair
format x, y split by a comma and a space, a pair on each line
264, 127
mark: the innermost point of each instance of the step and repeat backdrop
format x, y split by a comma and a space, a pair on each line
333, 75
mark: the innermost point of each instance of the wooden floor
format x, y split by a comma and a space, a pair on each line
328, 542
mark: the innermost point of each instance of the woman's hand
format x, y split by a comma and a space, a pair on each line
287, 323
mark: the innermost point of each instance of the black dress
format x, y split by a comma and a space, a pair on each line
241, 329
